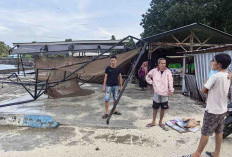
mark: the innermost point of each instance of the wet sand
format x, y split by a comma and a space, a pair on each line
84, 133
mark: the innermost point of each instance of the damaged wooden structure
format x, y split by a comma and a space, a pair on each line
186, 39
86, 62
59, 77
202, 59
70, 56
91, 57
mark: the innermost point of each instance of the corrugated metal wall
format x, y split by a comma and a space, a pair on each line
202, 67
191, 86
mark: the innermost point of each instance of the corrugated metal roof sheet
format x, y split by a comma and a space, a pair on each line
61, 48
72, 42
202, 32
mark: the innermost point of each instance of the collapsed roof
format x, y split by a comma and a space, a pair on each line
62, 47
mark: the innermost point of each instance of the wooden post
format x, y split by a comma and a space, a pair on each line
152, 49
183, 74
184, 61
18, 62
149, 55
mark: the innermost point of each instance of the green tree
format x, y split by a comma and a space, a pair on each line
130, 43
164, 15
4, 49
27, 56
113, 37
68, 40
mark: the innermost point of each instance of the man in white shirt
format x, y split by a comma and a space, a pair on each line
217, 88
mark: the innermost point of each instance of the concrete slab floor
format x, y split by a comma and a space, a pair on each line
84, 133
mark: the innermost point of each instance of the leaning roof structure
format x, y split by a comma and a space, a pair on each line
64, 47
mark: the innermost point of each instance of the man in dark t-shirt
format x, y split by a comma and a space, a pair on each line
112, 84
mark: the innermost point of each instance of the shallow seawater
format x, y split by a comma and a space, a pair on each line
7, 66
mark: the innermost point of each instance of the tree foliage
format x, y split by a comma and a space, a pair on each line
68, 40
4, 49
165, 15
113, 37
130, 43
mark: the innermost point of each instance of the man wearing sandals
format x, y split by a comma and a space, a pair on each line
217, 88
162, 81
112, 84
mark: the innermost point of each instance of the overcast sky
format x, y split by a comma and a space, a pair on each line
57, 20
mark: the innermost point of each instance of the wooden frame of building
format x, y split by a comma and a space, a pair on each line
202, 60
189, 38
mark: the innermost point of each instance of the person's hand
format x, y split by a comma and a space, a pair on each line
170, 93
104, 89
120, 88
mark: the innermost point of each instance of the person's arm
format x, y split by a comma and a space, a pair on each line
139, 71
104, 83
120, 81
229, 75
170, 84
149, 76
210, 74
209, 84
206, 80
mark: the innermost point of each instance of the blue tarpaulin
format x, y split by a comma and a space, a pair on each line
38, 121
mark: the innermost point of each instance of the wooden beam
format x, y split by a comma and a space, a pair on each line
176, 39
207, 39
186, 38
151, 49
197, 38
191, 40
186, 44
156, 48
209, 50
204, 42
18, 63
179, 42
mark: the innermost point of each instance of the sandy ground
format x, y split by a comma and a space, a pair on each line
84, 133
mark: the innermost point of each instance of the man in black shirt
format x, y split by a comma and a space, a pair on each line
112, 84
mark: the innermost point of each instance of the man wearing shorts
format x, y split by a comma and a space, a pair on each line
112, 84
217, 88
162, 81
